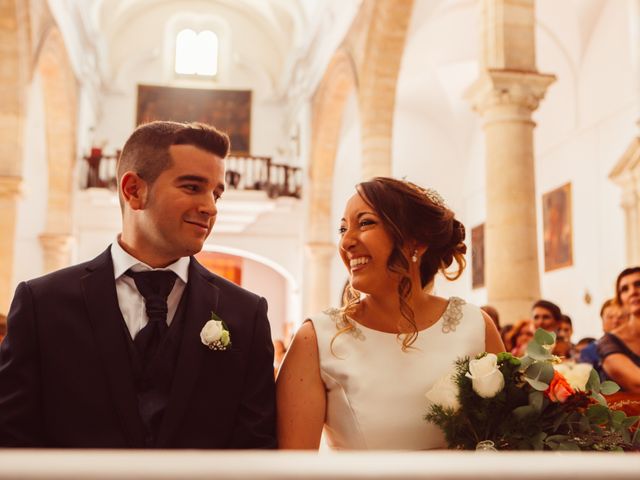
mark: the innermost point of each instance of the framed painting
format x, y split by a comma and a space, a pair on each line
477, 256
558, 229
227, 110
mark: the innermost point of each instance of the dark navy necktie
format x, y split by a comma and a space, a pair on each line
155, 287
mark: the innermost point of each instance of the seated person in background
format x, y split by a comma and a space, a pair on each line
620, 348
579, 347
612, 316
520, 336
504, 334
546, 315
493, 313
564, 331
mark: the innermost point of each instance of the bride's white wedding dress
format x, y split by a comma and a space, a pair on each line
376, 392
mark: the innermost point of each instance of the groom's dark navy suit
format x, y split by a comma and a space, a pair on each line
67, 378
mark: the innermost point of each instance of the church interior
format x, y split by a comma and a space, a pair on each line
523, 115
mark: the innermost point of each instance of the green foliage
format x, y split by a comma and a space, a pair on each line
522, 417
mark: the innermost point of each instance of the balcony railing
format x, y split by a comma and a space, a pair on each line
243, 173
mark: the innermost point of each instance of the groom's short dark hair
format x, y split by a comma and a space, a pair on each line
146, 152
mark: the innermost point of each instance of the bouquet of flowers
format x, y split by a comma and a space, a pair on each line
507, 403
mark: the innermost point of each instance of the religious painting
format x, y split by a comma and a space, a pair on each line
227, 266
558, 231
477, 256
227, 110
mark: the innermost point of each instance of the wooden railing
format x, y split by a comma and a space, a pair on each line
243, 173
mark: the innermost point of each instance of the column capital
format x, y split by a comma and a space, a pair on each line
508, 88
320, 249
10, 186
56, 242
627, 170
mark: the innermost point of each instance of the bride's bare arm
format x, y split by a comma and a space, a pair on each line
492, 340
300, 393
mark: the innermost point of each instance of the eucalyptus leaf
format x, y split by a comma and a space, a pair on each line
524, 411
543, 337
538, 352
569, 446
593, 384
598, 414
537, 440
525, 362
608, 387
599, 398
537, 384
536, 400
540, 371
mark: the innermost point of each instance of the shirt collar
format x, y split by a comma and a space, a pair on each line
123, 261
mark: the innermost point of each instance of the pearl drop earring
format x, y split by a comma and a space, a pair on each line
414, 257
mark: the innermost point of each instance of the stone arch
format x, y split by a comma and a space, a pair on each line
327, 109
60, 106
379, 69
14, 75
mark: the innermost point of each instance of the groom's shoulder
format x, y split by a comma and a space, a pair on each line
65, 277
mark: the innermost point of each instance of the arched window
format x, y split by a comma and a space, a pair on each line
196, 53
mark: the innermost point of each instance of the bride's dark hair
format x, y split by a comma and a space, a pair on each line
410, 213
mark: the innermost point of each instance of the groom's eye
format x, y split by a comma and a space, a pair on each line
191, 187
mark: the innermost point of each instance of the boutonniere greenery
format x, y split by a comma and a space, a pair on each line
215, 334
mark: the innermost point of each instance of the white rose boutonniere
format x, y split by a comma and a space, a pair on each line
486, 379
215, 334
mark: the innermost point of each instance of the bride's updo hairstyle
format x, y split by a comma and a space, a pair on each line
413, 215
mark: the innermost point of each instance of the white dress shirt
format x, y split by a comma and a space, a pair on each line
130, 300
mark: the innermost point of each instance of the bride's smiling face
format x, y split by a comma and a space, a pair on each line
365, 247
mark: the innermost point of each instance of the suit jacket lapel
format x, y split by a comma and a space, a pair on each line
106, 319
202, 299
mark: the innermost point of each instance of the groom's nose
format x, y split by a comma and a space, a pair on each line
208, 206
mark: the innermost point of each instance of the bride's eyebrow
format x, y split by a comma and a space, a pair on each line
364, 213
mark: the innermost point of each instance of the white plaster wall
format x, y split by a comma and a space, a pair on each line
252, 65
347, 173
266, 282
585, 123
32, 207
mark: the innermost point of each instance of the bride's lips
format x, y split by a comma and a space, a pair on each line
358, 263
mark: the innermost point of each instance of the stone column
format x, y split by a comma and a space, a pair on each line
626, 174
506, 93
10, 190
318, 279
56, 248
378, 76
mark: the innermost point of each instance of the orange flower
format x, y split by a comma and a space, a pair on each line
559, 389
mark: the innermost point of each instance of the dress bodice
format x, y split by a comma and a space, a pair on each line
375, 391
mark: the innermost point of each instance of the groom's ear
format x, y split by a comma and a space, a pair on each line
134, 190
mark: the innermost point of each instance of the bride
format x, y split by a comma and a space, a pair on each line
361, 372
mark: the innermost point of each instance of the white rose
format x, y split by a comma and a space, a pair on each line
487, 380
444, 392
577, 374
211, 332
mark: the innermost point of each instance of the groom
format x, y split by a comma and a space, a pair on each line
113, 353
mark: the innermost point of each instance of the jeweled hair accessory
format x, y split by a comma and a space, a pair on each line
435, 197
